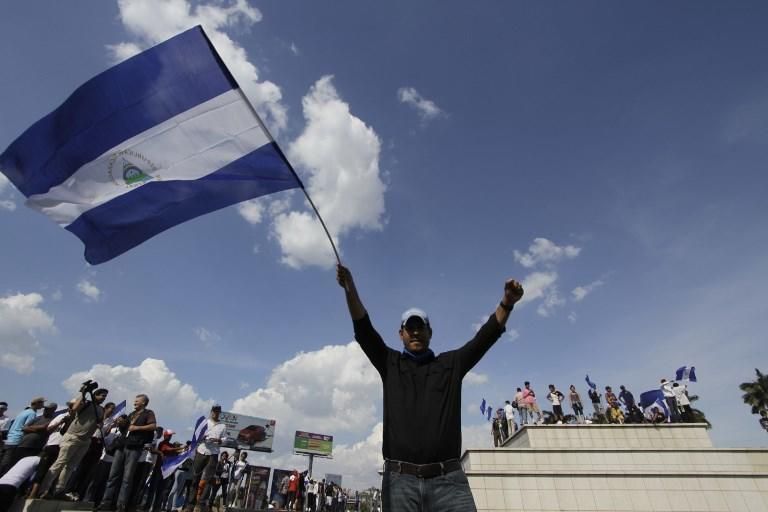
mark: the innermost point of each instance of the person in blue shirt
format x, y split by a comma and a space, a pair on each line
16, 432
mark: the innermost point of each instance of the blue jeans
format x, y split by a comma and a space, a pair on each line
409, 493
121, 477
523, 416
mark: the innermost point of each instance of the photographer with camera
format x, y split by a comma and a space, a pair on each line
88, 416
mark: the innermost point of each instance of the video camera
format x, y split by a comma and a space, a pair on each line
89, 386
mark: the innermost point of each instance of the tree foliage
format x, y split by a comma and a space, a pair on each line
756, 392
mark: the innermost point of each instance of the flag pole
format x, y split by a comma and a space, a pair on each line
293, 171
273, 141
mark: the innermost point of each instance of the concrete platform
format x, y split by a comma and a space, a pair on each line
617, 468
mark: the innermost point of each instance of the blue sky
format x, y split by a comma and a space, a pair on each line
611, 157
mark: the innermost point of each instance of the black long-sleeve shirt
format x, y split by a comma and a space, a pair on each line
422, 401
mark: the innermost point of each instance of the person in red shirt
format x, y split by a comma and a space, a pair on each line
293, 488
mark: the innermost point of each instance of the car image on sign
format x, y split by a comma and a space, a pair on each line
252, 434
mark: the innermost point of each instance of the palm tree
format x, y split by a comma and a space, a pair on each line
698, 414
756, 392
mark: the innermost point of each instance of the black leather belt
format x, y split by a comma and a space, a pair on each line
422, 470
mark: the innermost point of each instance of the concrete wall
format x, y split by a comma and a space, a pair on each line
617, 468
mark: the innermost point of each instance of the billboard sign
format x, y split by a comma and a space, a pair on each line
331, 477
248, 432
278, 475
257, 487
317, 444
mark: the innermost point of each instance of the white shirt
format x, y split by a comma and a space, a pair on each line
215, 431
680, 396
554, 397
509, 411
54, 438
148, 455
666, 388
239, 467
5, 423
20, 472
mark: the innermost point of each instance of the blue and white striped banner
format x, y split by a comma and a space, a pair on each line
170, 464
161, 138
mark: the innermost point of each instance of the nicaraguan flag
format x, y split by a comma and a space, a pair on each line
170, 464
590, 383
654, 399
686, 373
119, 410
482, 407
161, 138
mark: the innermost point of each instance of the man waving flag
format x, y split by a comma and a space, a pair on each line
159, 139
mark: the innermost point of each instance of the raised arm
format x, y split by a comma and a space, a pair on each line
474, 349
513, 292
355, 305
370, 340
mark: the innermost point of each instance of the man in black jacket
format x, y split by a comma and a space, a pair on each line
422, 403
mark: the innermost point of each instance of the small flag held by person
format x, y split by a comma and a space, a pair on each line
590, 383
119, 410
170, 464
482, 407
488, 412
159, 139
686, 373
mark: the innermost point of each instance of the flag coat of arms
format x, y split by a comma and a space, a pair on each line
159, 139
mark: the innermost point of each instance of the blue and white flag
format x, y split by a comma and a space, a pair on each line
686, 373
109, 422
482, 407
590, 383
170, 464
654, 399
159, 139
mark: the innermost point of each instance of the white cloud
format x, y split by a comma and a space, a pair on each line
91, 292
333, 389
295, 49
475, 379
152, 22
551, 301
4, 182
209, 338
57, 295
580, 292
341, 155
544, 252
21, 320
8, 205
173, 401
537, 286
427, 109
252, 210
513, 334
572, 317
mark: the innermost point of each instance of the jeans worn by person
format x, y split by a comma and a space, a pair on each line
444, 493
121, 477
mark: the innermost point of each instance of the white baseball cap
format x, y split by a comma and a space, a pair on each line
414, 312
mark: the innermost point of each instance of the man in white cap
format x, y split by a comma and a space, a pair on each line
422, 403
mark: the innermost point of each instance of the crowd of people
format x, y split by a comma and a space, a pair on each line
299, 492
90, 452
524, 409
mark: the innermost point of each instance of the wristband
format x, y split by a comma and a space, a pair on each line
505, 307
